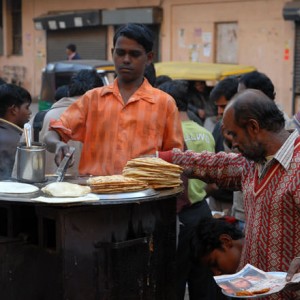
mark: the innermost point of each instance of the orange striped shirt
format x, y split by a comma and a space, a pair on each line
113, 132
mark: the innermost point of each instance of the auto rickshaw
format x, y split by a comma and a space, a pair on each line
59, 73
201, 78
209, 72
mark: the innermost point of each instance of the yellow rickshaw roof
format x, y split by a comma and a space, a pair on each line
200, 71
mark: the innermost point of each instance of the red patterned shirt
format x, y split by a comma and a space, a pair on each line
272, 201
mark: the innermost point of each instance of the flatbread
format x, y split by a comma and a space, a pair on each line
115, 184
66, 189
152, 162
112, 179
9, 187
155, 171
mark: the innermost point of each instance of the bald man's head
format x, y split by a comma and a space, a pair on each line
254, 104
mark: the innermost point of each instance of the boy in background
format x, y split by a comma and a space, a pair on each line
14, 113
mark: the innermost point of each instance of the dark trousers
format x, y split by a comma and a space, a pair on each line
201, 283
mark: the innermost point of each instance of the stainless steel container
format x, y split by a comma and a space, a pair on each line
31, 162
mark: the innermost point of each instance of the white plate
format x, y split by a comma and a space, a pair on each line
272, 291
10, 187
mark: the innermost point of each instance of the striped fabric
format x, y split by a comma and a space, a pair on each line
113, 132
272, 205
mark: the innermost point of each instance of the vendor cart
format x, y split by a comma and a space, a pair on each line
113, 248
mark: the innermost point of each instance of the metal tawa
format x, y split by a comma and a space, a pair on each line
130, 195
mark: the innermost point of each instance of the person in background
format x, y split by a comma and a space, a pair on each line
61, 92
71, 52
81, 82
221, 94
124, 120
191, 206
150, 73
199, 102
219, 199
267, 171
260, 81
161, 79
14, 113
217, 244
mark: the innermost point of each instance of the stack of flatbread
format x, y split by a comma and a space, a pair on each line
155, 171
115, 184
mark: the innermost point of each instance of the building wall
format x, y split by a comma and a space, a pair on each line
188, 32
263, 37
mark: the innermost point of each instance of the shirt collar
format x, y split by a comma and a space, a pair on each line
285, 153
12, 124
142, 93
297, 119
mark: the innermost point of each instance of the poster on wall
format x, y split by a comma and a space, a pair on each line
181, 34
207, 40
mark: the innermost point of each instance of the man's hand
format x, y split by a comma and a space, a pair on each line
293, 269
62, 150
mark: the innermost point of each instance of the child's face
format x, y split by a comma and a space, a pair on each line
223, 261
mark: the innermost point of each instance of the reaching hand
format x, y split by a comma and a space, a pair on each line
62, 150
293, 269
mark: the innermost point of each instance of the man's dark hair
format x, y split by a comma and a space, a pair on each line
162, 79
84, 81
206, 236
178, 90
138, 32
259, 81
72, 47
227, 87
11, 94
254, 104
61, 92
150, 73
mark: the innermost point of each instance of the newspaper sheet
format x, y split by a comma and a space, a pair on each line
251, 282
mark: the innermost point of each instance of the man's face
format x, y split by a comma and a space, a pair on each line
248, 145
200, 86
221, 103
23, 114
130, 59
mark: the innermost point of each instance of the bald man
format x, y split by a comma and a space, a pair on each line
267, 170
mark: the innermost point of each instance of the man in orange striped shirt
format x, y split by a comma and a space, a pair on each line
126, 119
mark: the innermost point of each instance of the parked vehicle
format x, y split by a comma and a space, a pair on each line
59, 73
201, 78
209, 72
